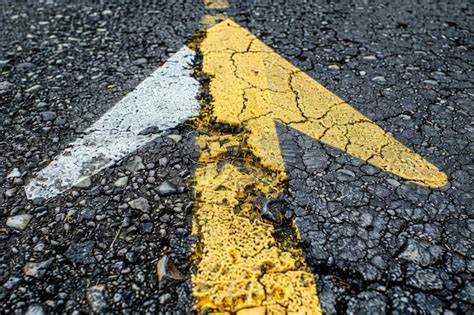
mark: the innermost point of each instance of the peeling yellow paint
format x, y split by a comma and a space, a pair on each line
239, 258
240, 265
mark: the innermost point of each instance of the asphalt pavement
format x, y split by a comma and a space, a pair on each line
374, 242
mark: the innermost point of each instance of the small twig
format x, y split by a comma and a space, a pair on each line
115, 238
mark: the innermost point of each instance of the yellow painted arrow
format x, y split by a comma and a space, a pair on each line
240, 264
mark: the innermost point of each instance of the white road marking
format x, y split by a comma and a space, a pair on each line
163, 100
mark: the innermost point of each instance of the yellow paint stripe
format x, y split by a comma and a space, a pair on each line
240, 265
216, 4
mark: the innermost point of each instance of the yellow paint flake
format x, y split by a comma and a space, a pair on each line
216, 4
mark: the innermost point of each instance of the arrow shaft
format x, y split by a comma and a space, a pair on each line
242, 263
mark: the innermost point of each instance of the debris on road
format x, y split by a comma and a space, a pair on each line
19, 222
167, 272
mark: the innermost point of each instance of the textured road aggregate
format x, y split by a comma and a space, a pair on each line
376, 243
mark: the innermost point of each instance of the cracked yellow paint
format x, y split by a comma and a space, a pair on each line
241, 264
253, 85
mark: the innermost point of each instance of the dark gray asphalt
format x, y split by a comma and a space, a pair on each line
375, 243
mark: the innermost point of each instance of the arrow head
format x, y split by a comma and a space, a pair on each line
252, 86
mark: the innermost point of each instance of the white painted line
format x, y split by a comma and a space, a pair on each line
163, 100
